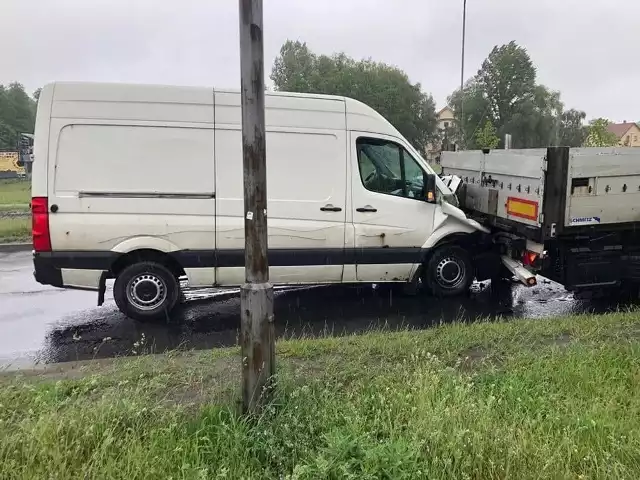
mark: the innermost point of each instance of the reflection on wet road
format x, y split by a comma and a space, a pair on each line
42, 324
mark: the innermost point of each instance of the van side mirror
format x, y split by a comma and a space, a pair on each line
430, 187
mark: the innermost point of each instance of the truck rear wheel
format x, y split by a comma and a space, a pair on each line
449, 272
146, 291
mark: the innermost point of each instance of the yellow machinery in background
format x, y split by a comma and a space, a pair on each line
9, 165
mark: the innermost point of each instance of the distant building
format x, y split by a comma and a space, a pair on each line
446, 131
445, 118
628, 133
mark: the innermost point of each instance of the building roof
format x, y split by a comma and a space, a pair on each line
619, 129
447, 107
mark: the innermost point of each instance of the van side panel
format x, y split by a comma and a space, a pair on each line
306, 173
126, 167
129, 161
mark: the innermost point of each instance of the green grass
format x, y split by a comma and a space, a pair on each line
523, 400
15, 229
15, 195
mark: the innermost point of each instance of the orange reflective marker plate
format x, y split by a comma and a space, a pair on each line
519, 207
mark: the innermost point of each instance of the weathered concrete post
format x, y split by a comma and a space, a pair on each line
257, 331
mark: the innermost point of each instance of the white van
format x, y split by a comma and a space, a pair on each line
144, 184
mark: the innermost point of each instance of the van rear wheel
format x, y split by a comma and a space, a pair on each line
146, 291
449, 272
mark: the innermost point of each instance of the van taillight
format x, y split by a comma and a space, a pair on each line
40, 224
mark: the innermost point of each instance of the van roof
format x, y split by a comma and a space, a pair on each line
358, 116
77, 90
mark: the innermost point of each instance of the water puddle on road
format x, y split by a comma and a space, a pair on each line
74, 330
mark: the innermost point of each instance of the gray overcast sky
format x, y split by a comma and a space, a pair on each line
587, 49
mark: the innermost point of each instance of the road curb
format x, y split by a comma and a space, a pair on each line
15, 247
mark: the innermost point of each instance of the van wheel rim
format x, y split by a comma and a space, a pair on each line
450, 273
146, 292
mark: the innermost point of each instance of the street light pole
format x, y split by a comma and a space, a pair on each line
256, 295
464, 28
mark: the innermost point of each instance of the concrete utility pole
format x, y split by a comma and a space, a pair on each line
256, 297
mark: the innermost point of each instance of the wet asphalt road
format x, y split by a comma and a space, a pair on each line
40, 324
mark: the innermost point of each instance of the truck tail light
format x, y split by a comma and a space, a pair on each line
529, 259
40, 224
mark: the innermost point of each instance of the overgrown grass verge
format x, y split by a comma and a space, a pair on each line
15, 229
15, 192
526, 399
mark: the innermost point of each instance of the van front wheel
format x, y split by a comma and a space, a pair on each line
146, 291
449, 272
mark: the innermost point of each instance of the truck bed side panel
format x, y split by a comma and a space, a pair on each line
520, 190
604, 187
505, 186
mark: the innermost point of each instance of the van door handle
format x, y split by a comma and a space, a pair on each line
367, 208
330, 208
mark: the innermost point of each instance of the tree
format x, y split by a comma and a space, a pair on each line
573, 132
536, 122
505, 93
508, 79
476, 110
17, 114
8, 137
598, 134
486, 137
385, 88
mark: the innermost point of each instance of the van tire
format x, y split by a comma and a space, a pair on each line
448, 272
146, 291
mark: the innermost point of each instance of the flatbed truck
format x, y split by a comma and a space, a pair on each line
571, 215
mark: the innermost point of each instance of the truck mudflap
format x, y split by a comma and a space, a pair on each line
519, 271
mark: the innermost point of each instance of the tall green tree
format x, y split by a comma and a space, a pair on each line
17, 114
573, 131
598, 134
505, 92
508, 79
8, 136
385, 88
